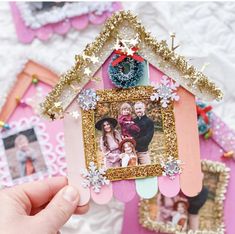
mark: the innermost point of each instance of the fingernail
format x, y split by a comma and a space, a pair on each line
70, 194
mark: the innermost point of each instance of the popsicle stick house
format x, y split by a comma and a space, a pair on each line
20, 125
125, 50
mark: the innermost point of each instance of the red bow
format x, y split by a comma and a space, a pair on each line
203, 112
123, 55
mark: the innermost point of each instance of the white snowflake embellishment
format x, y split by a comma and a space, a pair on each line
171, 167
88, 99
94, 177
165, 92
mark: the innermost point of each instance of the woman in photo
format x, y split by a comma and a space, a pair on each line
25, 155
128, 154
109, 141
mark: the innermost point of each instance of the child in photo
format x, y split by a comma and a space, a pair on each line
180, 216
128, 154
25, 155
128, 126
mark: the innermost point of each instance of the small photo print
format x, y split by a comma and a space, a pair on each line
129, 133
170, 211
23, 154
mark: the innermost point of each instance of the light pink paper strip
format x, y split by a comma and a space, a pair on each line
166, 186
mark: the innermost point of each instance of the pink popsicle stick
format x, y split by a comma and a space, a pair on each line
124, 190
168, 187
188, 143
105, 195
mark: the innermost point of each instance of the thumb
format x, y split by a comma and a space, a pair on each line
59, 210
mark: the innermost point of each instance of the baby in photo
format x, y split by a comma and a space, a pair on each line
128, 154
128, 126
25, 155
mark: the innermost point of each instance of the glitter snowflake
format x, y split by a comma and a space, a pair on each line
94, 177
171, 167
165, 92
88, 99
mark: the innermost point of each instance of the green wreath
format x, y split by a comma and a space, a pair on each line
127, 73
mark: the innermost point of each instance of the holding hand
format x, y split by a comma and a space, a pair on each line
38, 207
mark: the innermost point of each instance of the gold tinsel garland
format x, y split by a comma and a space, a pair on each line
190, 74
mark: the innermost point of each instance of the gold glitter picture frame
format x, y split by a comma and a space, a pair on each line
211, 215
113, 98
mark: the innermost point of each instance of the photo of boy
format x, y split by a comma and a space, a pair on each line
25, 155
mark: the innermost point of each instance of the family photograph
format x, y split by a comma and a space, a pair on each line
124, 141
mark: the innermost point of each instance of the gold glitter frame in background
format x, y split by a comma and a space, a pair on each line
157, 53
208, 167
131, 94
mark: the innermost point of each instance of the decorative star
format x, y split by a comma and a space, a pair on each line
52, 117
87, 71
117, 45
57, 104
34, 101
94, 59
134, 41
75, 114
130, 52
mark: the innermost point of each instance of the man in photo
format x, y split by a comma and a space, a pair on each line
145, 135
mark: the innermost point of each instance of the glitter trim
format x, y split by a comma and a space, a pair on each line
125, 25
209, 167
131, 94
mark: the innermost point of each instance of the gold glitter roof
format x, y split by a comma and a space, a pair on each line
124, 24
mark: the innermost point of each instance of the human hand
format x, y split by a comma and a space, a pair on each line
38, 207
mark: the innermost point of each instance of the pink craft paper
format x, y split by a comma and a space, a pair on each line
166, 186
75, 154
130, 223
27, 34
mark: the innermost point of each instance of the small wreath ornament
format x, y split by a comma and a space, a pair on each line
127, 73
